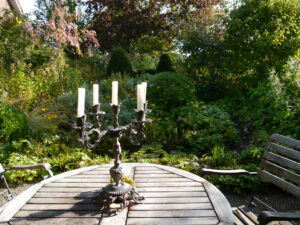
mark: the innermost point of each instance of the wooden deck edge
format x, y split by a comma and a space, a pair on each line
220, 203
12, 207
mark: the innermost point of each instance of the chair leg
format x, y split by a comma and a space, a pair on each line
9, 195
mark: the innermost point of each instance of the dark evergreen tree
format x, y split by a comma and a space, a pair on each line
119, 63
164, 64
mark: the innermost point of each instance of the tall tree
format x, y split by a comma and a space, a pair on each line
262, 35
120, 23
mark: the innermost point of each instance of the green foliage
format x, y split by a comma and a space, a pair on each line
197, 126
219, 157
13, 123
207, 56
242, 184
268, 107
125, 179
170, 90
165, 64
262, 35
154, 150
21, 176
119, 63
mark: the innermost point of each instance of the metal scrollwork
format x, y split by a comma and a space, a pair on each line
118, 191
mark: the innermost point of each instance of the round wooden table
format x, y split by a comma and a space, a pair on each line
173, 196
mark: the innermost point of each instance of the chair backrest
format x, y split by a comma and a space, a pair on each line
281, 163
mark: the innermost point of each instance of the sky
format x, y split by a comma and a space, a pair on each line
27, 5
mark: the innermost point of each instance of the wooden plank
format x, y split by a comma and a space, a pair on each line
12, 207
98, 172
148, 168
72, 207
82, 180
169, 189
289, 187
248, 213
293, 154
76, 185
220, 203
187, 206
169, 175
170, 214
55, 200
152, 172
242, 217
120, 219
286, 140
55, 190
282, 161
280, 171
173, 194
161, 179
169, 184
57, 213
54, 221
90, 194
176, 200
171, 221
89, 177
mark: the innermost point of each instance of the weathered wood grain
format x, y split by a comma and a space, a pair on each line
71, 207
98, 172
89, 177
139, 168
76, 185
282, 161
220, 203
174, 194
55, 200
280, 171
169, 184
52, 189
170, 214
83, 180
242, 217
171, 221
186, 206
169, 175
161, 179
286, 140
289, 187
176, 200
152, 172
57, 213
293, 154
66, 195
169, 189
54, 221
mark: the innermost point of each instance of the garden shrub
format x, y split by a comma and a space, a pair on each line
197, 126
119, 63
13, 123
170, 90
164, 64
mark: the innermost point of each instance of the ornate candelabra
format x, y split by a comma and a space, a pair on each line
117, 192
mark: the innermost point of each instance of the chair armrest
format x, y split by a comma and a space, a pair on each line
205, 171
45, 166
265, 217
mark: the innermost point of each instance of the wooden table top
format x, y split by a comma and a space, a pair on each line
173, 196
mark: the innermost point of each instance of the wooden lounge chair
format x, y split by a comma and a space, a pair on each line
280, 166
45, 166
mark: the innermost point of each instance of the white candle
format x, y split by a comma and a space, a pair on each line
95, 94
114, 95
81, 102
140, 97
145, 90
